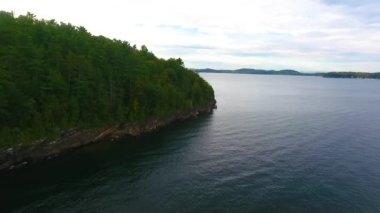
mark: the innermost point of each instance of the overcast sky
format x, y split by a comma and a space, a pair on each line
307, 35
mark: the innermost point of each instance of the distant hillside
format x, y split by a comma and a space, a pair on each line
351, 75
259, 72
294, 72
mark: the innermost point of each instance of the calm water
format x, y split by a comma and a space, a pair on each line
275, 144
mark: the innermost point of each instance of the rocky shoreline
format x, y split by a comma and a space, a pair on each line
71, 139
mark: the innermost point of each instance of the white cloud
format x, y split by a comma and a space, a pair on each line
274, 34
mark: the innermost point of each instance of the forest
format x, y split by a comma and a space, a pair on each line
56, 76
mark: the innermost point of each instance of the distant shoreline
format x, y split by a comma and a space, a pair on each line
362, 75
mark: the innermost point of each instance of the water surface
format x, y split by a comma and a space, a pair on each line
275, 144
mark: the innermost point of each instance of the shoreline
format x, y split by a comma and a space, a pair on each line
71, 139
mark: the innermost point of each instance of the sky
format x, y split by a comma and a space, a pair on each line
306, 35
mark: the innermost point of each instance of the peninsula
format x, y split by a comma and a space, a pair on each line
62, 88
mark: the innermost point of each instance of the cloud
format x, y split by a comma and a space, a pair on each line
308, 35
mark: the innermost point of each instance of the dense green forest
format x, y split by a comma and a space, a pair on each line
351, 75
56, 76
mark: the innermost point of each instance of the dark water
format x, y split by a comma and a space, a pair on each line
275, 144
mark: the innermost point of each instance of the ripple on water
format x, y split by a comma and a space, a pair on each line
275, 144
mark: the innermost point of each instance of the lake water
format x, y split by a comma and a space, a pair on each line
275, 144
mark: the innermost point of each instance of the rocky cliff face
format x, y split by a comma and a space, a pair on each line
74, 138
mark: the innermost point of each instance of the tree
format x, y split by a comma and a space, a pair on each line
58, 76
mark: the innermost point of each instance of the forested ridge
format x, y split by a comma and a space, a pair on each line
56, 76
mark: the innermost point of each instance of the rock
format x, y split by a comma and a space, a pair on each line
75, 138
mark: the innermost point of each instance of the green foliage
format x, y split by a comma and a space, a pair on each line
58, 76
